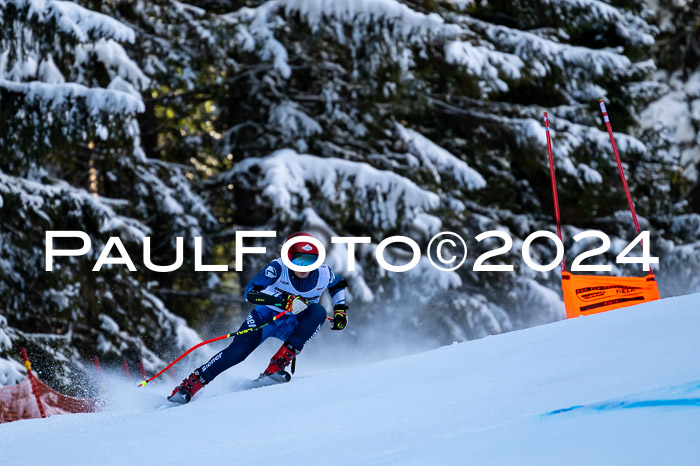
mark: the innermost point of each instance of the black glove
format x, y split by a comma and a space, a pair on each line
340, 317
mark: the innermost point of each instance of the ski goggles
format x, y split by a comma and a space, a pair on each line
303, 259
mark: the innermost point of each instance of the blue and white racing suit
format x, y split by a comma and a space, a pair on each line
295, 329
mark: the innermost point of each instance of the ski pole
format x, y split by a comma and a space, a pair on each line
222, 337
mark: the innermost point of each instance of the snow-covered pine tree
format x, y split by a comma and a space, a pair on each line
71, 160
670, 126
411, 118
347, 117
185, 51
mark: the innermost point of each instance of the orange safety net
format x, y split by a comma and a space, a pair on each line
19, 402
590, 294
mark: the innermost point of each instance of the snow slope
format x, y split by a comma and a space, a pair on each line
621, 387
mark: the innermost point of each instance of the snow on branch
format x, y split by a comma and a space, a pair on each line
484, 63
258, 34
5, 342
117, 340
292, 121
193, 16
185, 208
543, 53
55, 96
630, 26
286, 175
677, 278
38, 199
408, 24
83, 23
191, 9
572, 135
185, 337
116, 61
439, 160
255, 27
10, 371
30, 66
567, 139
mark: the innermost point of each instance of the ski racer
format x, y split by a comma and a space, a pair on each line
274, 289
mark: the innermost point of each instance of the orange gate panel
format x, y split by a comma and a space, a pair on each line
590, 294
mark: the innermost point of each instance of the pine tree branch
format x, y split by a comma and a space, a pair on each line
214, 297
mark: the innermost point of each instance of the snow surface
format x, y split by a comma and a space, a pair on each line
621, 387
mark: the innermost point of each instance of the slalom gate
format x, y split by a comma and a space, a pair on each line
32, 398
590, 294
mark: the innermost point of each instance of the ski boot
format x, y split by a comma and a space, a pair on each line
282, 358
184, 392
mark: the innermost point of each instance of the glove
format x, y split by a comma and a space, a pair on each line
340, 317
295, 304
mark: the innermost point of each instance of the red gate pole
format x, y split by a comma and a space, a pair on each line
143, 371
126, 368
619, 165
28, 365
98, 368
554, 186
606, 119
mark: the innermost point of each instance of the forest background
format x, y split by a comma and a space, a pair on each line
340, 117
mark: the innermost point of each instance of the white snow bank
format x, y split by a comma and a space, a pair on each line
620, 387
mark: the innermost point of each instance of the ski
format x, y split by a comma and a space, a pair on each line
179, 398
272, 379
